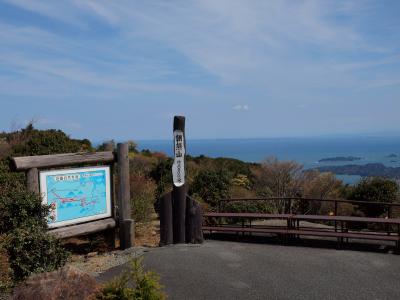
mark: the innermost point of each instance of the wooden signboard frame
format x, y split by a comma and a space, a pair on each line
120, 219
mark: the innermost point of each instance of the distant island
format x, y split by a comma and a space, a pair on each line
340, 158
391, 155
373, 169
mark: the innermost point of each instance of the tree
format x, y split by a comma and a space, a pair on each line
282, 178
132, 146
30, 141
211, 186
278, 179
321, 186
375, 189
107, 146
162, 174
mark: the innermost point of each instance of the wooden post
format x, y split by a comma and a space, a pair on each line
179, 186
194, 222
189, 220
126, 224
32, 180
166, 229
110, 235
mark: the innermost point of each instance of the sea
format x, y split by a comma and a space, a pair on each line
306, 151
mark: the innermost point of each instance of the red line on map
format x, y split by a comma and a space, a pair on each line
73, 199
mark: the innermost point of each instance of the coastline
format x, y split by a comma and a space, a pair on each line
306, 151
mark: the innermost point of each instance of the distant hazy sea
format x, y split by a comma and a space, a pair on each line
307, 151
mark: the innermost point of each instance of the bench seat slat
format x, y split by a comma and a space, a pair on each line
244, 229
368, 236
247, 215
394, 221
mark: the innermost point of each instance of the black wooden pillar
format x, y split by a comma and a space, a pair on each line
180, 216
166, 228
179, 191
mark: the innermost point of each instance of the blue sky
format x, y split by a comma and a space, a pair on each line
122, 69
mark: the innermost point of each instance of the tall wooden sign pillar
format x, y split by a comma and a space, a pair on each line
180, 215
178, 176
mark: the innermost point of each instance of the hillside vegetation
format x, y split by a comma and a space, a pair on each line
25, 246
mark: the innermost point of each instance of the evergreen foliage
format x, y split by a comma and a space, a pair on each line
146, 285
375, 189
211, 186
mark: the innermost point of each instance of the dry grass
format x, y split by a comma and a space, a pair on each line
148, 233
91, 255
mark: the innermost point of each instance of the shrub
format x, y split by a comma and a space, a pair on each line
146, 285
107, 146
30, 141
23, 224
248, 206
211, 186
10, 181
33, 250
241, 181
20, 209
375, 189
142, 197
163, 176
141, 165
5, 269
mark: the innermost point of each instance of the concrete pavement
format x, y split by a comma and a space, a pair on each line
233, 270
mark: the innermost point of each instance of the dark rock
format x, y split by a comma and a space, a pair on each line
65, 284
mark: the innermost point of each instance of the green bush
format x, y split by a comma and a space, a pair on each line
5, 270
33, 250
247, 206
143, 198
10, 181
162, 174
23, 225
375, 189
146, 285
211, 186
20, 209
30, 141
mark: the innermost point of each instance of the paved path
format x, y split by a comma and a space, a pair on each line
231, 270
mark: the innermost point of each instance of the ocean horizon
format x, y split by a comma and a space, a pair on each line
307, 151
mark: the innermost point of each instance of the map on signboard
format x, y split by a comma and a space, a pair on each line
76, 195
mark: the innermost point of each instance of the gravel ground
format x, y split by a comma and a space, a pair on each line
95, 264
147, 236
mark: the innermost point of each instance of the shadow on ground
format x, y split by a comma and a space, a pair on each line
324, 243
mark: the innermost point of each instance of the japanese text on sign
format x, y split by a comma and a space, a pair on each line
178, 167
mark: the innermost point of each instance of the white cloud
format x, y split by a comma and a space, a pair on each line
246, 43
241, 107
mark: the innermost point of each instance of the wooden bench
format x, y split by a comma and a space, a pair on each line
293, 229
244, 228
343, 231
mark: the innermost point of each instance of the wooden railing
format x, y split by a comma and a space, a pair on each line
290, 200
